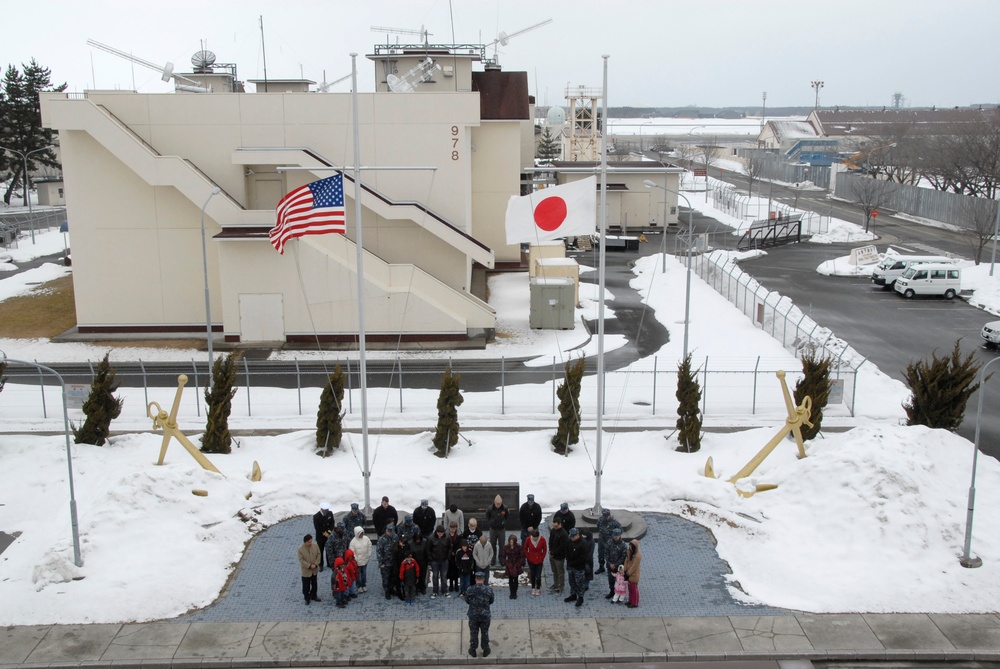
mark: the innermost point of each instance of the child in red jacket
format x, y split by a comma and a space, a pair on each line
339, 583
409, 573
351, 569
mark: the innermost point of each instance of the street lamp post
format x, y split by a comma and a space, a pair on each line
74, 523
687, 289
640, 133
204, 261
816, 86
27, 194
967, 560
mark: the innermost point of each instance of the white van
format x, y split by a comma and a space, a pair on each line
930, 279
893, 266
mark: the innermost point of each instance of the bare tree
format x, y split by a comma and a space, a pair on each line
709, 151
980, 214
754, 168
870, 194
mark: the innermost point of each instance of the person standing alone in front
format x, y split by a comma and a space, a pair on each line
479, 598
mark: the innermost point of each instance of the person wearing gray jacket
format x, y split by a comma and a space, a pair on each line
454, 514
482, 555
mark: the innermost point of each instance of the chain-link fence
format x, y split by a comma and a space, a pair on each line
726, 198
18, 225
287, 393
779, 317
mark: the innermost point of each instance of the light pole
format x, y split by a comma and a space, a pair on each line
74, 523
816, 85
640, 133
687, 289
763, 108
967, 560
27, 194
204, 261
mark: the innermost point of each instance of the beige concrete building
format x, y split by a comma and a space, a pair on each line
140, 169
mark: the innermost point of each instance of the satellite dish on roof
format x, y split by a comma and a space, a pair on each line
556, 116
398, 85
203, 60
418, 74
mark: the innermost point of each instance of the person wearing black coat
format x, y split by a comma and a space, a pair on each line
383, 515
323, 522
588, 548
558, 543
576, 567
438, 554
565, 517
530, 515
426, 518
419, 547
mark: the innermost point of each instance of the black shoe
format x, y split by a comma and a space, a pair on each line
472, 652
486, 651
579, 601
341, 606
631, 606
513, 595
316, 599
600, 571
388, 595
609, 595
307, 601
571, 598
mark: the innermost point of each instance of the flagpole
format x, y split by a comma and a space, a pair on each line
362, 366
600, 293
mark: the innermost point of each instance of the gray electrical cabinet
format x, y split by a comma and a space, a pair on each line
552, 303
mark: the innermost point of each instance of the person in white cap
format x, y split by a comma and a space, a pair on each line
323, 523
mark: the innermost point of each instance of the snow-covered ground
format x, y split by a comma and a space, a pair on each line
871, 520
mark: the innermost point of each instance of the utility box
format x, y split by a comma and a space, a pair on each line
567, 268
552, 303
553, 249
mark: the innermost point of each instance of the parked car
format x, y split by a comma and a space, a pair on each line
893, 266
991, 333
930, 279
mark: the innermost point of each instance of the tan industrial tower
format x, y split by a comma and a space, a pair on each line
583, 136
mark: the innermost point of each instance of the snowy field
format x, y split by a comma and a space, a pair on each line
872, 520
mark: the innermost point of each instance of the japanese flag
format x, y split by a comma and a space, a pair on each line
553, 213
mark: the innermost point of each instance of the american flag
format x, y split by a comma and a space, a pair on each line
314, 209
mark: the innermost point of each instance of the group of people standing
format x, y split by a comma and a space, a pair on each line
449, 554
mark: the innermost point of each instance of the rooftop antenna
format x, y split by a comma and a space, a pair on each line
418, 74
326, 86
503, 39
166, 71
422, 33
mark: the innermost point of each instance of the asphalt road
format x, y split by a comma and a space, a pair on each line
881, 325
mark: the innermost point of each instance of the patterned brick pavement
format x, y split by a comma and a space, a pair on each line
682, 575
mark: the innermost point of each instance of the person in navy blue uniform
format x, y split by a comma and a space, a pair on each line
479, 597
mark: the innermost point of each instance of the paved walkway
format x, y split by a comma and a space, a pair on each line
686, 614
682, 575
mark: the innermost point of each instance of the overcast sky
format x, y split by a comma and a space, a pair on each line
663, 52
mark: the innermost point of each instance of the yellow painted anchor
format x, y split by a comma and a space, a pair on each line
168, 423
797, 417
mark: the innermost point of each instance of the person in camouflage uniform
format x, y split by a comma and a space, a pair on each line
408, 529
605, 524
615, 552
479, 598
383, 553
353, 518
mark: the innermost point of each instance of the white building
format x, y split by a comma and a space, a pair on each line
139, 168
